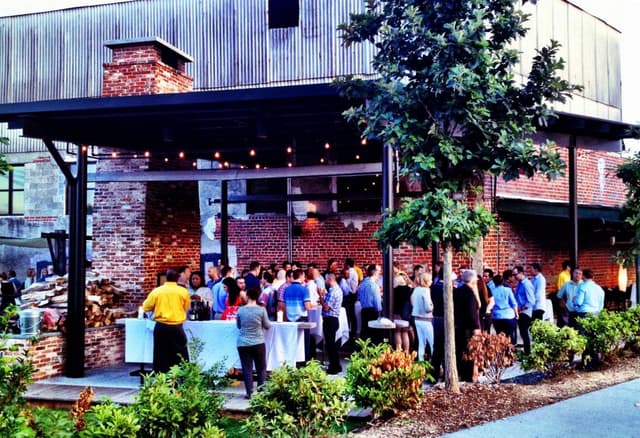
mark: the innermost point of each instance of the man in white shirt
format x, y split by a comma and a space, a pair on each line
540, 291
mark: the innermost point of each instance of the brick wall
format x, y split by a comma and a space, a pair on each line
139, 70
172, 231
597, 182
104, 347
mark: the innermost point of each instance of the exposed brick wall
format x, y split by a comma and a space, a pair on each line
104, 347
612, 193
172, 231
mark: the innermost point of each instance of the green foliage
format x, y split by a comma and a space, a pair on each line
447, 100
629, 173
632, 322
299, 402
53, 423
491, 353
177, 404
384, 379
16, 371
552, 348
213, 378
605, 332
109, 420
435, 217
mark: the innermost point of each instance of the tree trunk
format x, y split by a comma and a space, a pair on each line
450, 370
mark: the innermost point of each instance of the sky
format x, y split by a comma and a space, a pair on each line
622, 14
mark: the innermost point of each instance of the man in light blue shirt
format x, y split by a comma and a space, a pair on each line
219, 294
589, 298
568, 292
370, 299
525, 296
540, 291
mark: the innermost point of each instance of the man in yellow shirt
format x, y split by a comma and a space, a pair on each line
169, 304
559, 307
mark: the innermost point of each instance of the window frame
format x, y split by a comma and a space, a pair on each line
10, 190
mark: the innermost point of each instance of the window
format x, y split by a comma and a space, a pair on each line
283, 13
12, 191
362, 194
272, 187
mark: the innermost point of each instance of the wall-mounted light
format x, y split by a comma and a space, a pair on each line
622, 278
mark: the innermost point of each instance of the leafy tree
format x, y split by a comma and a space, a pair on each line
629, 173
4, 166
447, 100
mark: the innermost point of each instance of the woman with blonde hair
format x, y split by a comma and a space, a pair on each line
423, 312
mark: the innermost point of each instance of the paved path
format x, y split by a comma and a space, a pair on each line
610, 412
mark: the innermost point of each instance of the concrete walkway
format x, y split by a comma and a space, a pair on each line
610, 412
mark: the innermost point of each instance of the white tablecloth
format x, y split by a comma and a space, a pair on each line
315, 315
284, 342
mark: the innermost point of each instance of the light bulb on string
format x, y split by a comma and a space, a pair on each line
181, 154
216, 155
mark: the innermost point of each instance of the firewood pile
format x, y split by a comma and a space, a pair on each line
102, 299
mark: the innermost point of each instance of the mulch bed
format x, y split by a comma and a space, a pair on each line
441, 412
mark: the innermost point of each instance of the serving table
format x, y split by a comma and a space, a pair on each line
284, 342
315, 315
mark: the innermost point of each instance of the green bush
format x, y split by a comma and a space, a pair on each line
298, 403
16, 372
109, 420
552, 348
385, 380
53, 423
178, 404
632, 320
605, 333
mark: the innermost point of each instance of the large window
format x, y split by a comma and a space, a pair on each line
12, 191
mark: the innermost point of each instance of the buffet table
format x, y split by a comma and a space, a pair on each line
284, 342
315, 315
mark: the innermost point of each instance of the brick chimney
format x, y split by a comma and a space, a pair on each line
145, 66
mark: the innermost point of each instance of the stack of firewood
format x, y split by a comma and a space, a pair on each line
101, 301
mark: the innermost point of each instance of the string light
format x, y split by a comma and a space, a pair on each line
327, 145
226, 164
114, 154
181, 154
84, 148
194, 164
216, 155
258, 166
135, 155
221, 165
147, 154
289, 164
166, 160
322, 160
289, 149
252, 152
357, 157
363, 142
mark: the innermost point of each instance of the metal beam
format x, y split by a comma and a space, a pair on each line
238, 174
573, 203
387, 207
224, 223
75, 324
64, 168
242, 199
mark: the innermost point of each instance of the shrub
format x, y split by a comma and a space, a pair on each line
552, 348
109, 420
632, 321
298, 403
605, 332
16, 372
177, 404
385, 380
491, 353
52, 423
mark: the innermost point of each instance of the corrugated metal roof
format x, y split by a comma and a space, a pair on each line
60, 54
